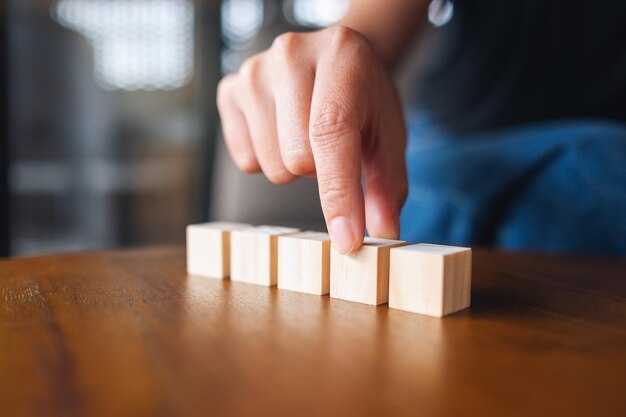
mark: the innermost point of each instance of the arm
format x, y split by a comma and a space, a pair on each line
388, 25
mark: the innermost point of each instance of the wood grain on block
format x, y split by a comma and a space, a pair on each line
430, 279
362, 276
254, 254
208, 248
304, 262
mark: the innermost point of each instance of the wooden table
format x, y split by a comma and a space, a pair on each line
128, 333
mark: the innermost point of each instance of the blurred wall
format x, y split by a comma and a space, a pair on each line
253, 199
106, 125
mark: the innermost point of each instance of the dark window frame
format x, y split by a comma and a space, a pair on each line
5, 222
210, 70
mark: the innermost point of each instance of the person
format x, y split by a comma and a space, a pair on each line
517, 138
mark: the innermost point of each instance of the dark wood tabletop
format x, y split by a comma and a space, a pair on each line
128, 333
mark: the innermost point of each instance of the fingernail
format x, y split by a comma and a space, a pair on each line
341, 234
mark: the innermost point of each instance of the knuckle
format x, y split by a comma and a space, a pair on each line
332, 194
349, 44
343, 37
299, 164
286, 45
330, 122
250, 70
248, 165
223, 90
244, 160
279, 177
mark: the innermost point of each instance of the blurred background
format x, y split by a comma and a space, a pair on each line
109, 132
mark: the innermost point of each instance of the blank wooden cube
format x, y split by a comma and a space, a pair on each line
430, 279
208, 248
254, 254
304, 262
362, 276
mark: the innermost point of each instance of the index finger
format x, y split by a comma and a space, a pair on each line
339, 106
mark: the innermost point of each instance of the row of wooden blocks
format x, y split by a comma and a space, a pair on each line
428, 279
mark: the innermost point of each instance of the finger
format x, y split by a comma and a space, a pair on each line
234, 128
384, 168
258, 108
292, 94
338, 111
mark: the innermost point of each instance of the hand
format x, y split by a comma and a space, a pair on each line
322, 105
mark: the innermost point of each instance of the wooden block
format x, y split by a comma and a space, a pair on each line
304, 262
208, 248
430, 279
254, 254
362, 276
